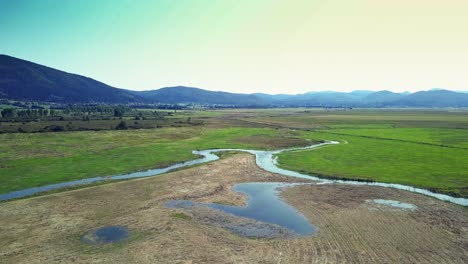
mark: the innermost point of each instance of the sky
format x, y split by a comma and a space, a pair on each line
246, 46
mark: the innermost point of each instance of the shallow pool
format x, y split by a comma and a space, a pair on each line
107, 234
264, 204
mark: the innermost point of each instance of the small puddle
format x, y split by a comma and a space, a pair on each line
395, 204
264, 205
107, 234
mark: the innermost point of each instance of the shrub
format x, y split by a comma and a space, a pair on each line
121, 126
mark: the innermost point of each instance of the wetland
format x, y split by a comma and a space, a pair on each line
378, 196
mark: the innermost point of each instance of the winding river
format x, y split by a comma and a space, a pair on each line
264, 159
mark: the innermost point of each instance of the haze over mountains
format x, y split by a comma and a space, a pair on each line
24, 80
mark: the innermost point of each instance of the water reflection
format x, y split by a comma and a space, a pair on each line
264, 204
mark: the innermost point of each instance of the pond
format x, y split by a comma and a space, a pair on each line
107, 234
264, 204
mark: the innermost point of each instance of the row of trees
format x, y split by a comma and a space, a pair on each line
115, 110
28, 113
84, 111
25, 104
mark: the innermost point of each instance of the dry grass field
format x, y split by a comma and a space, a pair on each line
48, 229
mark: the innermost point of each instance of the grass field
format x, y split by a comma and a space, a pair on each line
440, 169
417, 148
29, 160
424, 148
435, 136
351, 229
78, 121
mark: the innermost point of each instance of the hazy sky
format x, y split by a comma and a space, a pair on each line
246, 45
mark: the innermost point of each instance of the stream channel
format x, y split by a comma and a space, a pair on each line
264, 159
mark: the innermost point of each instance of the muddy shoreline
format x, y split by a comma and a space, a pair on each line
48, 229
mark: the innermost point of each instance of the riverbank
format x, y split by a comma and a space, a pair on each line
266, 160
420, 148
48, 229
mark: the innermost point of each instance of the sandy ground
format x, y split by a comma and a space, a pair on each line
48, 229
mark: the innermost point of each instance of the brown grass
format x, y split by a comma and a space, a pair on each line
47, 229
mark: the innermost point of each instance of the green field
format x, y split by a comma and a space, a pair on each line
30, 160
437, 168
423, 148
434, 136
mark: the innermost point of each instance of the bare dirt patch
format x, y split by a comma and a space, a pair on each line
356, 231
48, 229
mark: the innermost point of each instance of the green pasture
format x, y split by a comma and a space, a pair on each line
423, 148
441, 169
29, 160
437, 136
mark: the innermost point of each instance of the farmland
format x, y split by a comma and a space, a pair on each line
48, 229
411, 147
30, 160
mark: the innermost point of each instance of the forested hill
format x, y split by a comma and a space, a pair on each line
24, 80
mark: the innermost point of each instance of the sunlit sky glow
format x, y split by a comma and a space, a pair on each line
246, 45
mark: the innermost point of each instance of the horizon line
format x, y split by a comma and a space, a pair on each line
227, 91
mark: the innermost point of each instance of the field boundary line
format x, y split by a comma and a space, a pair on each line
394, 139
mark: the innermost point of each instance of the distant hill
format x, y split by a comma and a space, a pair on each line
361, 93
433, 98
182, 94
326, 98
382, 97
24, 80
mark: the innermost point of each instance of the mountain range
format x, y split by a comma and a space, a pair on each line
24, 80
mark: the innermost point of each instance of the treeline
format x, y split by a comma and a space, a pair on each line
71, 110
115, 110
22, 104
27, 113
161, 106
81, 112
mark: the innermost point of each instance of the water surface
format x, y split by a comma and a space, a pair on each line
396, 204
264, 159
264, 204
107, 234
